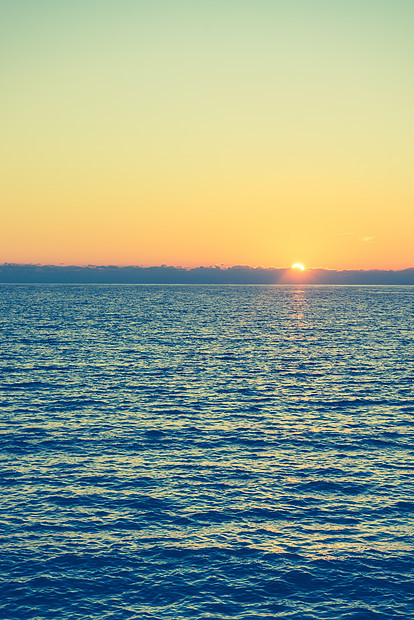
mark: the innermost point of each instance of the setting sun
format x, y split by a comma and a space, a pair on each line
298, 266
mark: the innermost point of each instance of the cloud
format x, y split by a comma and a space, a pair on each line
111, 274
365, 239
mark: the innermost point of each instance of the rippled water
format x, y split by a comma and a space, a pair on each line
174, 452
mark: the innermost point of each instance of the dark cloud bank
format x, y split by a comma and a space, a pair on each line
110, 274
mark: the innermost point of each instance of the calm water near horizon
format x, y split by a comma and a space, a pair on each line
206, 452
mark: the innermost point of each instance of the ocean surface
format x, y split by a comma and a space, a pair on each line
206, 452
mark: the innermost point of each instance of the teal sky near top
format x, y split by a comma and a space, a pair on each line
263, 132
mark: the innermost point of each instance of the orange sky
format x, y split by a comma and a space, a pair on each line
237, 133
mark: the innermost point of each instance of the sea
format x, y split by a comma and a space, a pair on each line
206, 452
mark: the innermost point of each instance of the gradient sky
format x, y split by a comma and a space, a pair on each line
260, 132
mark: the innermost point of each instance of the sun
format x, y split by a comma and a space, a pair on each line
298, 266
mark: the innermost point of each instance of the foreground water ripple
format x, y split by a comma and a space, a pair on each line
174, 452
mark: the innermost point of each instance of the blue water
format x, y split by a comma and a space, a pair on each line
190, 452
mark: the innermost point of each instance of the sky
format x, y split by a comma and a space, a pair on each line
227, 132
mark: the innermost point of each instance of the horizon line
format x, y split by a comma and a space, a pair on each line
221, 267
